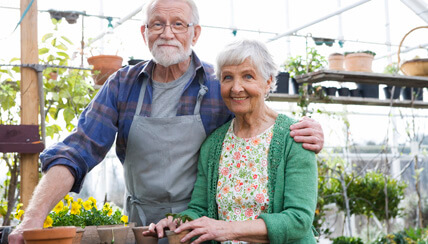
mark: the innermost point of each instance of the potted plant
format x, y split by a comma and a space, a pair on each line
174, 238
140, 238
335, 61
360, 61
104, 66
60, 235
82, 214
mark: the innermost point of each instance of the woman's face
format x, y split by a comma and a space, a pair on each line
243, 88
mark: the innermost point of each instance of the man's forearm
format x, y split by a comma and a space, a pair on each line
54, 185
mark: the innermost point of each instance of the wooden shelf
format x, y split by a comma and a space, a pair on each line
363, 77
277, 97
20, 138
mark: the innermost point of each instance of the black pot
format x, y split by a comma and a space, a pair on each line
4, 233
388, 91
296, 87
331, 91
417, 92
134, 61
282, 82
355, 93
368, 90
344, 91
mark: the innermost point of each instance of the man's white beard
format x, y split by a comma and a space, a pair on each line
167, 56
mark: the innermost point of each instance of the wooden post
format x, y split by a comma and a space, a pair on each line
29, 97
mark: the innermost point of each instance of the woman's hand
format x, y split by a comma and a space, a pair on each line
158, 229
207, 229
309, 132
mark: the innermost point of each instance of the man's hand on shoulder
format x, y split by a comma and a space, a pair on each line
309, 132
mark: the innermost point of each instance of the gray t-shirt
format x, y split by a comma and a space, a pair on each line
166, 96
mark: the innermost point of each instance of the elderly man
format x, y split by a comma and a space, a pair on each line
159, 112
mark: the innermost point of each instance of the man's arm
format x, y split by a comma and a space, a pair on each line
309, 132
54, 185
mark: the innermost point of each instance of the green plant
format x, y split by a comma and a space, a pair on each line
80, 213
299, 65
391, 69
179, 218
410, 236
366, 51
347, 240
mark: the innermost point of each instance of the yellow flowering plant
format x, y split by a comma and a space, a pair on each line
69, 212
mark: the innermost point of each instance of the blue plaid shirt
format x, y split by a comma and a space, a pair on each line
110, 114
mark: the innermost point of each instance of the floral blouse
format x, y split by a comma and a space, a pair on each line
242, 192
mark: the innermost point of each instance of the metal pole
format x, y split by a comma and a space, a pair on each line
319, 20
42, 105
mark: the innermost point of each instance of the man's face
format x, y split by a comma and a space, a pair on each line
167, 47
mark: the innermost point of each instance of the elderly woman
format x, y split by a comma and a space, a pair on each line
254, 183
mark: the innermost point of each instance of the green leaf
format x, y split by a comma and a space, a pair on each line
63, 54
68, 115
62, 47
67, 40
43, 51
47, 36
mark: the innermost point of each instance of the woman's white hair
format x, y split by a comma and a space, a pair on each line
191, 3
236, 52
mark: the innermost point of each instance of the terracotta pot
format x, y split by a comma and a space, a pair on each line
106, 65
108, 234
140, 239
53, 75
335, 61
416, 67
58, 235
174, 238
91, 236
77, 239
361, 62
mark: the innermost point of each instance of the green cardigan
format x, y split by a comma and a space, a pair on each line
292, 184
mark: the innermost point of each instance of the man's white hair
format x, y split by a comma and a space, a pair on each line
236, 52
191, 3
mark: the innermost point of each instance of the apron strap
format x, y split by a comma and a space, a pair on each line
141, 96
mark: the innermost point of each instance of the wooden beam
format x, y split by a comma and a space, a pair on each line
29, 96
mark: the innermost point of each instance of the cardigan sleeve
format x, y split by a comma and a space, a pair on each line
198, 205
295, 196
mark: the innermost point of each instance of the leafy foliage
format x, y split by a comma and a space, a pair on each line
299, 65
411, 236
347, 240
180, 218
365, 51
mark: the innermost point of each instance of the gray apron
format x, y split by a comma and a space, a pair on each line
161, 162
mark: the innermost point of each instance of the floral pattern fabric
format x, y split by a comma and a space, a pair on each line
242, 192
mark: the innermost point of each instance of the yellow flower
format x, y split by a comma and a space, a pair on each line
18, 207
48, 222
68, 199
19, 214
92, 200
124, 219
75, 208
80, 201
107, 209
59, 207
87, 205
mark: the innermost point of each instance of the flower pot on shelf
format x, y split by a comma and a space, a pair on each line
104, 66
118, 234
331, 91
343, 92
369, 90
335, 61
407, 93
140, 239
355, 93
282, 82
134, 61
174, 238
57, 235
53, 75
388, 92
360, 61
